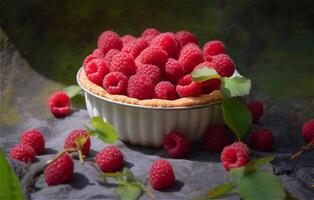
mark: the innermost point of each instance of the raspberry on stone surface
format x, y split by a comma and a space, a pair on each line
308, 131
59, 104
151, 71
190, 56
185, 37
115, 83
161, 175
96, 70
235, 155
213, 48
35, 139
262, 139
70, 141
176, 144
217, 137
23, 152
140, 87
187, 87
256, 108
109, 40
110, 159
165, 90
173, 70
124, 63
223, 64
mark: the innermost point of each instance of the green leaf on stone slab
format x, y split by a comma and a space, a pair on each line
204, 74
129, 175
72, 90
219, 191
102, 130
235, 86
258, 163
10, 187
236, 116
260, 184
129, 191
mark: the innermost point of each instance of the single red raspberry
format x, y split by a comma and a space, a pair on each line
234, 155
70, 141
135, 47
204, 64
60, 171
35, 139
161, 175
109, 55
109, 40
185, 37
140, 87
190, 56
110, 159
308, 131
124, 63
59, 104
168, 43
223, 64
165, 90
23, 152
127, 38
88, 58
96, 70
151, 71
150, 32
154, 56
173, 70
116, 83
256, 108
213, 48
262, 139
176, 144
187, 87
217, 137
98, 53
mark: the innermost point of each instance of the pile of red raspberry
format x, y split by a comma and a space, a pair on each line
155, 65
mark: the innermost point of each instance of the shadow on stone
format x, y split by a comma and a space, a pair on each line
177, 187
50, 151
79, 181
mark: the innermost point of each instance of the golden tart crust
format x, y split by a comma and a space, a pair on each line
211, 98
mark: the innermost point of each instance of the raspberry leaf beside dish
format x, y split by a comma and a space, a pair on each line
104, 131
72, 90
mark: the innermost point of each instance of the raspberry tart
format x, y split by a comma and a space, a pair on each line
143, 86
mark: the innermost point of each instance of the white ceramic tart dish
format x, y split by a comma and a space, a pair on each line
145, 122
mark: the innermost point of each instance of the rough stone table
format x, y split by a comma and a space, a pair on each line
41, 49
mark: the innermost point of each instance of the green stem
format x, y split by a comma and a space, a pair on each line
69, 150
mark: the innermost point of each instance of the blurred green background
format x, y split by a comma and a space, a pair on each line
43, 43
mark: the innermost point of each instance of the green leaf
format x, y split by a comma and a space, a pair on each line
10, 187
236, 116
102, 130
259, 184
129, 191
129, 175
235, 86
219, 191
72, 90
204, 74
256, 164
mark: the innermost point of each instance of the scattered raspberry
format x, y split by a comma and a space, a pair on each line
23, 152
60, 171
70, 141
217, 137
176, 144
161, 175
112, 52
234, 155
35, 139
256, 108
308, 131
115, 83
127, 38
98, 53
154, 56
59, 104
151, 71
150, 32
109, 40
110, 159
262, 139
173, 70
185, 37
165, 90
140, 87
96, 70
124, 63
190, 56
168, 43
223, 64
135, 47
187, 87
213, 48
